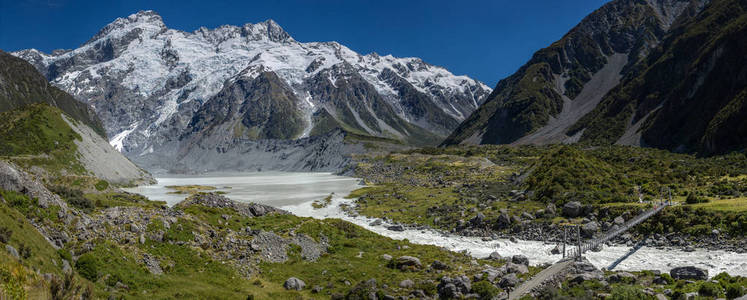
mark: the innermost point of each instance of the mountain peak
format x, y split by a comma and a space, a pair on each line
269, 29
145, 20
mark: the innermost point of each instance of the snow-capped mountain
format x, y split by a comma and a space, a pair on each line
154, 86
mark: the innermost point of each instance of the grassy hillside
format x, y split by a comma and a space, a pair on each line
36, 135
21, 84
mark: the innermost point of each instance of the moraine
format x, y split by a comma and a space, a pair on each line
295, 192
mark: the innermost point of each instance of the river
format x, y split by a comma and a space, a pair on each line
295, 192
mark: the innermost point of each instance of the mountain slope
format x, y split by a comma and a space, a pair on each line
564, 82
148, 83
21, 84
691, 93
43, 128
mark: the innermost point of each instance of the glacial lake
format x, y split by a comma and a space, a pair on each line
295, 192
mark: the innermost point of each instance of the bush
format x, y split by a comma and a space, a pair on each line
694, 199
734, 290
24, 251
5, 234
101, 185
73, 197
64, 254
667, 277
709, 289
626, 292
87, 266
485, 289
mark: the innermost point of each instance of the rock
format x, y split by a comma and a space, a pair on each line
513, 240
490, 274
527, 216
294, 283
438, 265
619, 221
516, 268
550, 210
621, 277
66, 267
410, 263
406, 284
509, 280
589, 229
453, 287
572, 209
660, 280
715, 232
689, 272
661, 297
580, 278
556, 250
494, 256
376, 222
142, 239
503, 220
386, 257
691, 296
12, 251
316, 289
397, 227
520, 259
478, 219
152, 264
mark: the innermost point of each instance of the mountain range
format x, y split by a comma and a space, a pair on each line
163, 93
670, 74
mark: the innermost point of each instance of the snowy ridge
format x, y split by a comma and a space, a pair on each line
136, 71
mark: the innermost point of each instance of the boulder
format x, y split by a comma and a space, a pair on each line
12, 251
619, 221
689, 272
572, 209
405, 263
516, 268
621, 277
438, 265
406, 284
589, 229
520, 259
294, 283
509, 280
396, 228
495, 256
386, 257
453, 287
478, 219
503, 220
376, 222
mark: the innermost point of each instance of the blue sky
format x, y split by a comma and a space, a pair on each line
487, 40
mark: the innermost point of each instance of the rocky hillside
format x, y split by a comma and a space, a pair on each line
153, 87
626, 60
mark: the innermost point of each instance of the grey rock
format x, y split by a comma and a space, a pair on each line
438, 265
509, 280
406, 284
619, 221
294, 283
572, 209
12, 251
376, 222
516, 268
689, 272
396, 228
520, 259
494, 256
408, 263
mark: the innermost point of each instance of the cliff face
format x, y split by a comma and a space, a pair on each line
667, 74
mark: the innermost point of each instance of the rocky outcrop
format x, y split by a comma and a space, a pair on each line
219, 201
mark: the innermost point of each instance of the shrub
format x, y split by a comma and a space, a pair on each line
87, 266
64, 254
101, 185
667, 277
734, 290
5, 234
73, 196
24, 251
694, 199
709, 289
485, 289
626, 292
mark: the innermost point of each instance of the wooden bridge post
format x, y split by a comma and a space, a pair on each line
564, 237
578, 237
